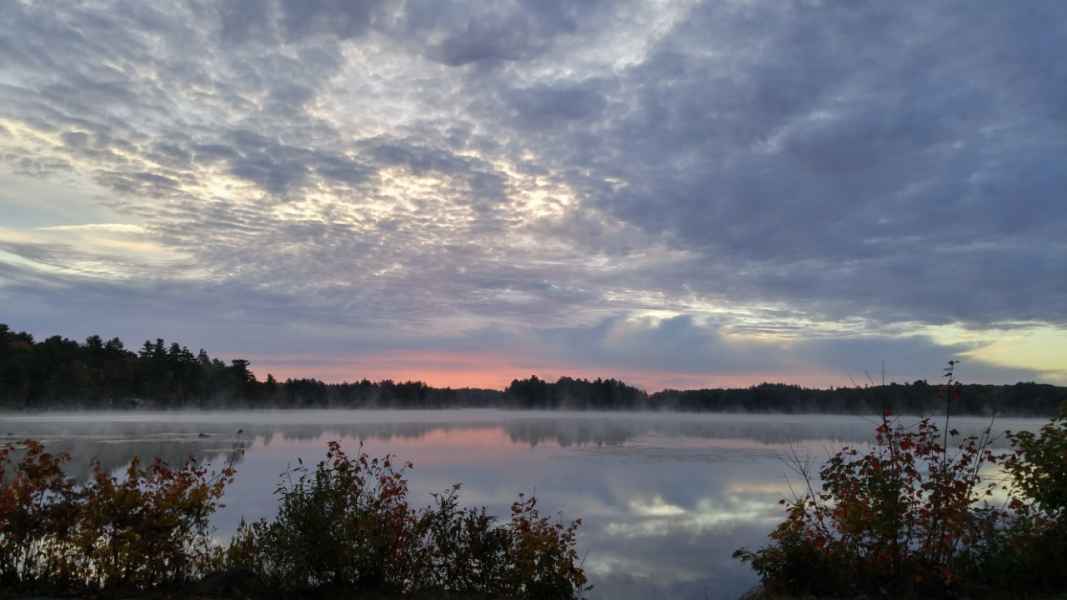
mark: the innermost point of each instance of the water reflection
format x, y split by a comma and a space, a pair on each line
665, 498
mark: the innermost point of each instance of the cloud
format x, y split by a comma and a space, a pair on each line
473, 33
701, 187
547, 105
873, 181
679, 345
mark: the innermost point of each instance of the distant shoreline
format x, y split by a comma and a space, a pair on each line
64, 374
642, 411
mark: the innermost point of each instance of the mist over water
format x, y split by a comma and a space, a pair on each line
665, 498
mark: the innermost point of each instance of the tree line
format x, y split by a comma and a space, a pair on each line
96, 374
917, 397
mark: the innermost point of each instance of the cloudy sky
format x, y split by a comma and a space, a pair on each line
676, 193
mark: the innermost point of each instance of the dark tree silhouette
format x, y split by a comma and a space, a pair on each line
60, 372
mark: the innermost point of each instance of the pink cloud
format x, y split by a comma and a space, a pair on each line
496, 371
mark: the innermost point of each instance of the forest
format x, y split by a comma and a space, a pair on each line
60, 373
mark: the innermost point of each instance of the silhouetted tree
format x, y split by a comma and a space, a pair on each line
59, 372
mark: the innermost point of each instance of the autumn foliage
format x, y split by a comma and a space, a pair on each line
344, 527
912, 516
142, 531
348, 525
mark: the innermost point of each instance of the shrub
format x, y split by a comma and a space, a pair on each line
36, 514
1038, 467
338, 527
541, 558
146, 531
908, 517
1033, 551
900, 517
348, 526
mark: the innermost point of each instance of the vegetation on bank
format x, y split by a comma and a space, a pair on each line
345, 527
98, 374
911, 517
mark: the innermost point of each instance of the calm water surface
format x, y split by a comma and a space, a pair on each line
665, 498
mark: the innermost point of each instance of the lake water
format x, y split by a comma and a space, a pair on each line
665, 498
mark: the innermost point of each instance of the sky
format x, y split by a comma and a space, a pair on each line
679, 194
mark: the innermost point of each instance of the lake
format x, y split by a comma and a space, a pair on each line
665, 498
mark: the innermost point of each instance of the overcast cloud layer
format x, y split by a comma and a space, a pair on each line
676, 193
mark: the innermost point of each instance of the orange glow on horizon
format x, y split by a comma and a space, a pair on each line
493, 371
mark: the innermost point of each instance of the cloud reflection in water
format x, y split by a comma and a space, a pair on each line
664, 498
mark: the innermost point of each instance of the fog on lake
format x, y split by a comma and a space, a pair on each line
665, 498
